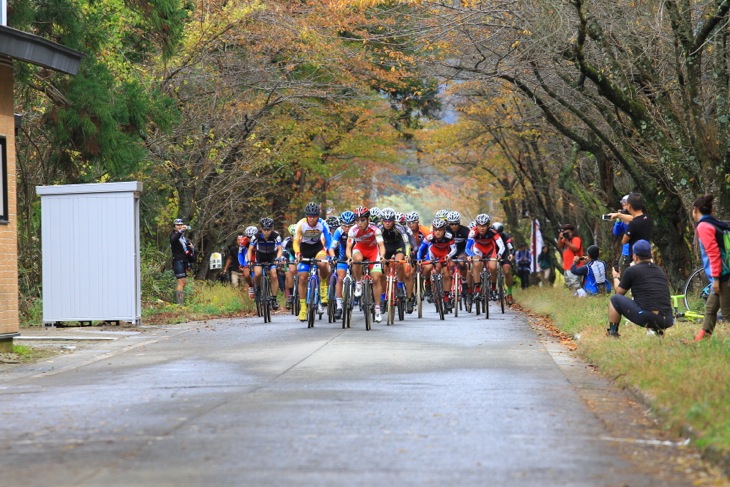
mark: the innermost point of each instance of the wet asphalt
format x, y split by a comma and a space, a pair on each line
236, 402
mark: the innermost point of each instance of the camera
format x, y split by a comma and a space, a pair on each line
565, 235
607, 216
583, 258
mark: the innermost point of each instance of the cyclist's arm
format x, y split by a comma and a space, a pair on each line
452, 252
241, 256
422, 250
249, 253
499, 246
297, 239
470, 247
327, 236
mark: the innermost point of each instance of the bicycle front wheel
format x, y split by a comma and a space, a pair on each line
696, 291
312, 289
365, 303
265, 299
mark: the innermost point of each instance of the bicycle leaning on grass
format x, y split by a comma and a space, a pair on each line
697, 289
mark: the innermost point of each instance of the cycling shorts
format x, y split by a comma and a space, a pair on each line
267, 258
371, 254
179, 267
305, 266
391, 250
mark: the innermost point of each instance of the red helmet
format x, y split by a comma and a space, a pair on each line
362, 212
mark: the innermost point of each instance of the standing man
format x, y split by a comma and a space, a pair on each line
182, 254
651, 306
231, 266
570, 245
639, 225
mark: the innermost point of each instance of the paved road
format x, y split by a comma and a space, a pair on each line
239, 403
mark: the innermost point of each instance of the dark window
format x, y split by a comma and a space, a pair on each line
3, 180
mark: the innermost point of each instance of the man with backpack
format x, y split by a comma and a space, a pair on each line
712, 234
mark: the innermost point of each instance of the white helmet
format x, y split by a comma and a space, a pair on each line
482, 219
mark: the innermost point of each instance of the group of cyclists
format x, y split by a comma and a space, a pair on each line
381, 238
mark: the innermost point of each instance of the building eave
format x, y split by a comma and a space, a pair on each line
16, 44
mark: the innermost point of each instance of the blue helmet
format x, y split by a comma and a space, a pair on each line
347, 217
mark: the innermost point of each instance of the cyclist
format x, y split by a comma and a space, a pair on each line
333, 222
507, 259
338, 250
365, 242
461, 235
375, 215
418, 230
249, 233
308, 244
265, 248
438, 245
397, 246
287, 246
483, 243
441, 214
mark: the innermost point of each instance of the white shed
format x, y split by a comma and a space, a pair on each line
91, 254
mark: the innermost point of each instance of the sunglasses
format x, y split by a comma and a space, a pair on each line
360, 220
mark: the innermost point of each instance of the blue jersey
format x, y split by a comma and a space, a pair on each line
339, 243
264, 245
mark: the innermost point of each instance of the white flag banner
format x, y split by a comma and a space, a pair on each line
536, 244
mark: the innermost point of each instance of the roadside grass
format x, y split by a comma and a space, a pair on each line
203, 300
686, 383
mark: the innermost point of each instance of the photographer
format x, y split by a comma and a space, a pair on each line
595, 279
619, 229
570, 245
183, 253
639, 225
651, 306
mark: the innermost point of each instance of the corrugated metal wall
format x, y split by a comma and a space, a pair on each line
90, 244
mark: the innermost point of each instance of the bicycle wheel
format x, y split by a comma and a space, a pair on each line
500, 290
390, 300
438, 296
696, 291
365, 303
295, 297
265, 299
455, 293
257, 300
346, 302
331, 298
401, 308
486, 284
312, 289
419, 293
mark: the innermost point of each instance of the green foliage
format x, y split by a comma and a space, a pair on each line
158, 283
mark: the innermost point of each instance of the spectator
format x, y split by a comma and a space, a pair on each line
570, 245
619, 229
710, 234
231, 267
545, 261
651, 306
182, 255
639, 225
595, 276
524, 261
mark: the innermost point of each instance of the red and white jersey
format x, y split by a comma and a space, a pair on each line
369, 237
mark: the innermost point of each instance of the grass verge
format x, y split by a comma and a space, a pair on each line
203, 300
687, 384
